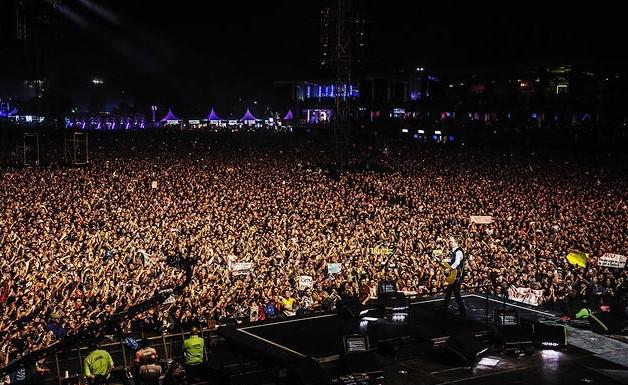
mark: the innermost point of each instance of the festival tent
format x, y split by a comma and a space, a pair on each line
213, 116
289, 115
248, 117
170, 118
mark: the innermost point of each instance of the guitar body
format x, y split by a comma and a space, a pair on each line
451, 275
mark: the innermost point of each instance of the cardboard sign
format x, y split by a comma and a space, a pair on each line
254, 313
305, 282
482, 219
333, 268
154, 184
615, 261
381, 250
241, 268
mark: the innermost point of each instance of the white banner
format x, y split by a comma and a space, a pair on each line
525, 295
333, 268
241, 268
481, 219
153, 184
305, 282
612, 260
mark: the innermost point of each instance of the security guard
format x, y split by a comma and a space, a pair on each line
98, 365
194, 348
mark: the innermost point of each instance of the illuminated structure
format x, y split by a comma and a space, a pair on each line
170, 119
310, 91
248, 118
106, 122
7, 110
213, 117
289, 116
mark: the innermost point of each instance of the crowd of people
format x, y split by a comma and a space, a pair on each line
79, 244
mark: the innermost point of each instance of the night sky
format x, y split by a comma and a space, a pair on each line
199, 54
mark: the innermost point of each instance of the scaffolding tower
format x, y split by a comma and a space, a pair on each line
77, 149
30, 149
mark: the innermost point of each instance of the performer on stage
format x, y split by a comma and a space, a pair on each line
456, 261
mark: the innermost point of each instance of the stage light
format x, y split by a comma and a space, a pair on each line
96, 81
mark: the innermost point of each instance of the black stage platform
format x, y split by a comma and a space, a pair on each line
319, 338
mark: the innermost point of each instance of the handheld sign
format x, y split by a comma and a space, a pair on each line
333, 268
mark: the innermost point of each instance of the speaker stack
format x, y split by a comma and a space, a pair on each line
464, 349
511, 335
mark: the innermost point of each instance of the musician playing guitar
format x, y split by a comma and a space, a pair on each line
455, 261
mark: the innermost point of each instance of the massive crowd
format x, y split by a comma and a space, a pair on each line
78, 244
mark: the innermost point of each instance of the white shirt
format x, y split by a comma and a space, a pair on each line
458, 258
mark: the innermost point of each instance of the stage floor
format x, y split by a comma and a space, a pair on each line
584, 361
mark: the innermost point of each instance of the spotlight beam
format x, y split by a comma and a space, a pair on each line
101, 11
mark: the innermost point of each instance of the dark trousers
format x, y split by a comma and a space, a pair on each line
455, 289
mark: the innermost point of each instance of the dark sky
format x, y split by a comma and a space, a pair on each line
202, 53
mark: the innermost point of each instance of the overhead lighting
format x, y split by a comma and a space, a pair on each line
98, 81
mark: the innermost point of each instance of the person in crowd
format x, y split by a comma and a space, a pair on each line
175, 375
97, 365
150, 371
145, 353
288, 303
55, 326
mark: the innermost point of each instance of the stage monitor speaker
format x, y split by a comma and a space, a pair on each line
357, 356
514, 337
464, 349
355, 343
505, 317
394, 302
307, 372
549, 334
386, 287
